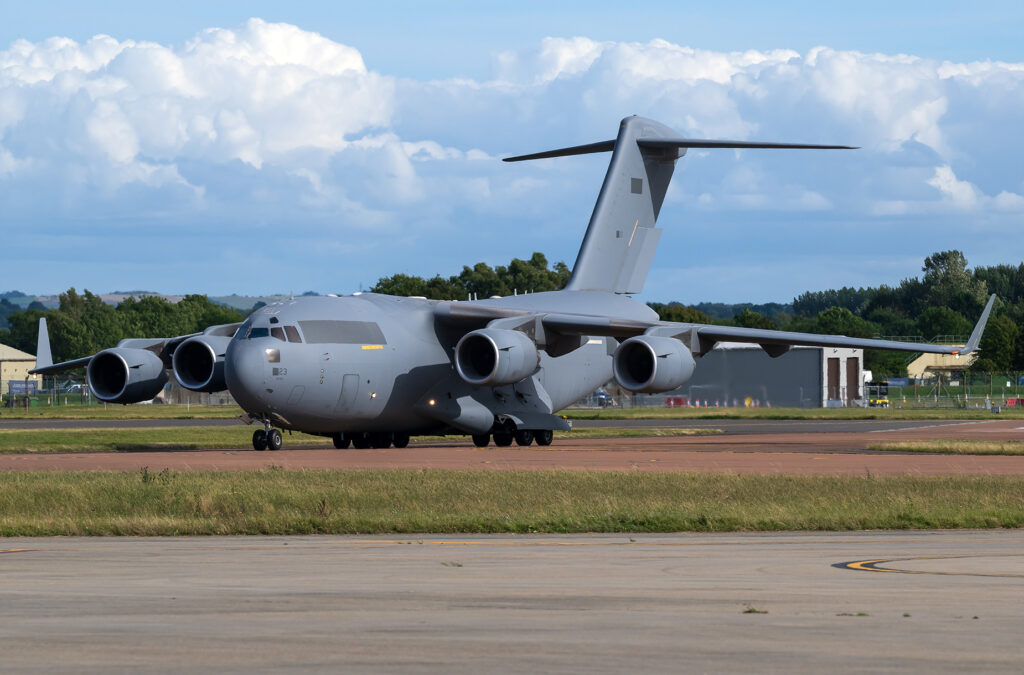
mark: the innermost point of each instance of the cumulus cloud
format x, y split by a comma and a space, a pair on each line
273, 128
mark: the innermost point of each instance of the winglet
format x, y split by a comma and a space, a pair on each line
972, 343
44, 357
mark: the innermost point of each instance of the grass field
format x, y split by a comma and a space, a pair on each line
122, 412
275, 501
792, 413
203, 438
229, 412
954, 447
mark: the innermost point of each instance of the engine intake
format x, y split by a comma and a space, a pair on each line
198, 363
495, 356
126, 375
652, 364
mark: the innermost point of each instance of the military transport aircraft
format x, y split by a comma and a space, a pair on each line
372, 370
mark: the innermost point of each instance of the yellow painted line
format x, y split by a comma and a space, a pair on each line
16, 550
373, 347
873, 566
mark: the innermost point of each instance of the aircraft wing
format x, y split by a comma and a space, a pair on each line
702, 337
162, 347
549, 328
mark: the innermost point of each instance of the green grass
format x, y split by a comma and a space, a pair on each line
954, 447
791, 413
99, 411
205, 438
229, 412
275, 501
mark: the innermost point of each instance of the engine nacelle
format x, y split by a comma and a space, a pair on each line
198, 363
496, 356
126, 375
652, 364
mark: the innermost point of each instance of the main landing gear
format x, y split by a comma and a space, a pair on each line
506, 433
263, 439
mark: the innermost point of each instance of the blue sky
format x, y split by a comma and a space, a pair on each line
265, 147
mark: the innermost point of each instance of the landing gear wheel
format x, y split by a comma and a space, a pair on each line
380, 440
544, 436
481, 440
524, 437
274, 440
340, 442
401, 440
503, 439
259, 440
360, 442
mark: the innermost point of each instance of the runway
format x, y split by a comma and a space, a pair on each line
470, 604
787, 447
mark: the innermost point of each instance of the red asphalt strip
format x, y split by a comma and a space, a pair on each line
812, 453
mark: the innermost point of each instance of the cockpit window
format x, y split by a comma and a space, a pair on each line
258, 333
277, 332
342, 332
292, 333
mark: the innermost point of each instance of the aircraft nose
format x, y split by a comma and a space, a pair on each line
243, 370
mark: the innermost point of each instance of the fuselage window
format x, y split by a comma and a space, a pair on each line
277, 332
258, 333
342, 332
293, 334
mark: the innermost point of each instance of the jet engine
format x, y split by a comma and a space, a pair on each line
126, 375
495, 356
199, 363
652, 364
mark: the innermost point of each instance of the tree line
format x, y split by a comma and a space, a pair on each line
83, 324
944, 301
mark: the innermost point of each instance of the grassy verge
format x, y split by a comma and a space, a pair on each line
229, 412
954, 447
275, 501
204, 438
122, 412
791, 413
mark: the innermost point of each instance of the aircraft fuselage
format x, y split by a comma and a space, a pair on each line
368, 362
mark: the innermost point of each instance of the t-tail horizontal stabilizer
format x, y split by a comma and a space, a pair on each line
621, 238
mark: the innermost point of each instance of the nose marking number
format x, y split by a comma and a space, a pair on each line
321, 376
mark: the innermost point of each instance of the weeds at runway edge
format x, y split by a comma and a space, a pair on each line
274, 501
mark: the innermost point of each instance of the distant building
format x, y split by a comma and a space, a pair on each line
737, 374
14, 367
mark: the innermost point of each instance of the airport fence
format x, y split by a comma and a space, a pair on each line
959, 390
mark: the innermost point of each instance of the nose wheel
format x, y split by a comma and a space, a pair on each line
263, 439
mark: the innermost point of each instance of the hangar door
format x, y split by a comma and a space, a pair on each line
833, 379
852, 379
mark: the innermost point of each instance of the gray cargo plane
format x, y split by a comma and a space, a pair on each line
372, 370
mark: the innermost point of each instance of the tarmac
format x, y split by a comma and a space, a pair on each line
812, 447
906, 601
807, 602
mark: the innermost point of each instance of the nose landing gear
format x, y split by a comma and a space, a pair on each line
263, 439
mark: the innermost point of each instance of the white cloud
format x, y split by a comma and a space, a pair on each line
269, 124
960, 193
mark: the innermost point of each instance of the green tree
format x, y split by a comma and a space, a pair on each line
938, 321
998, 346
679, 313
749, 319
949, 284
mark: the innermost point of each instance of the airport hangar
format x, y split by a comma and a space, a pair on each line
735, 374
14, 367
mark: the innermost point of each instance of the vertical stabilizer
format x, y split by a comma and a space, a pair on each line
44, 357
621, 239
619, 245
